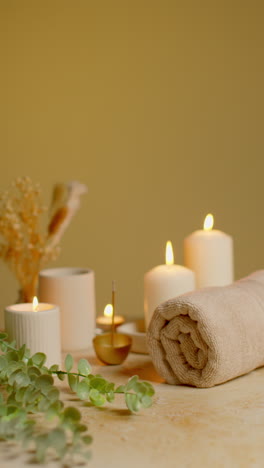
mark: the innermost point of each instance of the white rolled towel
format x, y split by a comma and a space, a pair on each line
210, 336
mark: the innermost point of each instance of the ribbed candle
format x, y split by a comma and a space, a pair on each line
39, 330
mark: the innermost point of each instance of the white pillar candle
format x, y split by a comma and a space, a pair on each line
165, 282
37, 326
73, 289
209, 253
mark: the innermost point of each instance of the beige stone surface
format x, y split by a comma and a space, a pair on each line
186, 427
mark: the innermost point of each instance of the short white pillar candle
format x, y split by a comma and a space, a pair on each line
73, 289
165, 282
209, 253
37, 326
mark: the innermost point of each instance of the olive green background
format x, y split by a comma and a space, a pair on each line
157, 106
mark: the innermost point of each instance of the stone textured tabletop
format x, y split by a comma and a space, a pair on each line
186, 427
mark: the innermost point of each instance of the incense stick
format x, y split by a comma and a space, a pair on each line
113, 315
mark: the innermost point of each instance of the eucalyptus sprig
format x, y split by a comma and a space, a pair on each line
31, 410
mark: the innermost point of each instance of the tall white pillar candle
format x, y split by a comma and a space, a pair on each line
209, 253
73, 289
165, 282
36, 326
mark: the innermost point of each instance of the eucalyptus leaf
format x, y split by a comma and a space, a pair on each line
61, 375
53, 394
68, 362
71, 414
72, 381
54, 368
120, 389
58, 440
12, 356
110, 396
83, 389
132, 402
44, 382
34, 371
22, 379
96, 398
21, 352
39, 359
98, 383
3, 362
132, 382
42, 444
84, 367
146, 401
43, 404
28, 389
87, 439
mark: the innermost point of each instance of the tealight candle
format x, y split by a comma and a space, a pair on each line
38, 326
105, 321
209, 253
165, 282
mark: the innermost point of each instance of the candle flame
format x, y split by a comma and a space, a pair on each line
208, 222
169, 254
108, 310
35, 304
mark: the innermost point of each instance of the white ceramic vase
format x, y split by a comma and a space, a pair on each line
73, 290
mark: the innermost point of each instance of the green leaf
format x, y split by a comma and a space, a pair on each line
120, 389
82, 390
80, 428
57, 439
87, 439
22, 379
3, 347
68, 362
31, 394
42, 443
146, 401
12, 356
3, 336
44, 382
72, 381
96, 398
54, 368
12, 367
39, 359
110, 396
3, 362
71, 414
60, 375
21, 352
132, 402
98, 383
54, 409
20, 394
149, 390
33, 371
84, 367
43, 404
53, 394
109, 387
132, 382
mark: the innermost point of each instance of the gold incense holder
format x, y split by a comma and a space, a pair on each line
112, 348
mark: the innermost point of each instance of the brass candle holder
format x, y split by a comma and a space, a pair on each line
112, 348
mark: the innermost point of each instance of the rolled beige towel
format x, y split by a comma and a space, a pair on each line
207, 337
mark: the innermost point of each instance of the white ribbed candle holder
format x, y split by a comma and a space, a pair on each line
39, 330
73, 290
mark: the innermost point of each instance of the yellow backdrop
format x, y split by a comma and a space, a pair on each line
157, 106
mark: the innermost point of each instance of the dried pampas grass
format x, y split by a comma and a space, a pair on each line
24, 246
